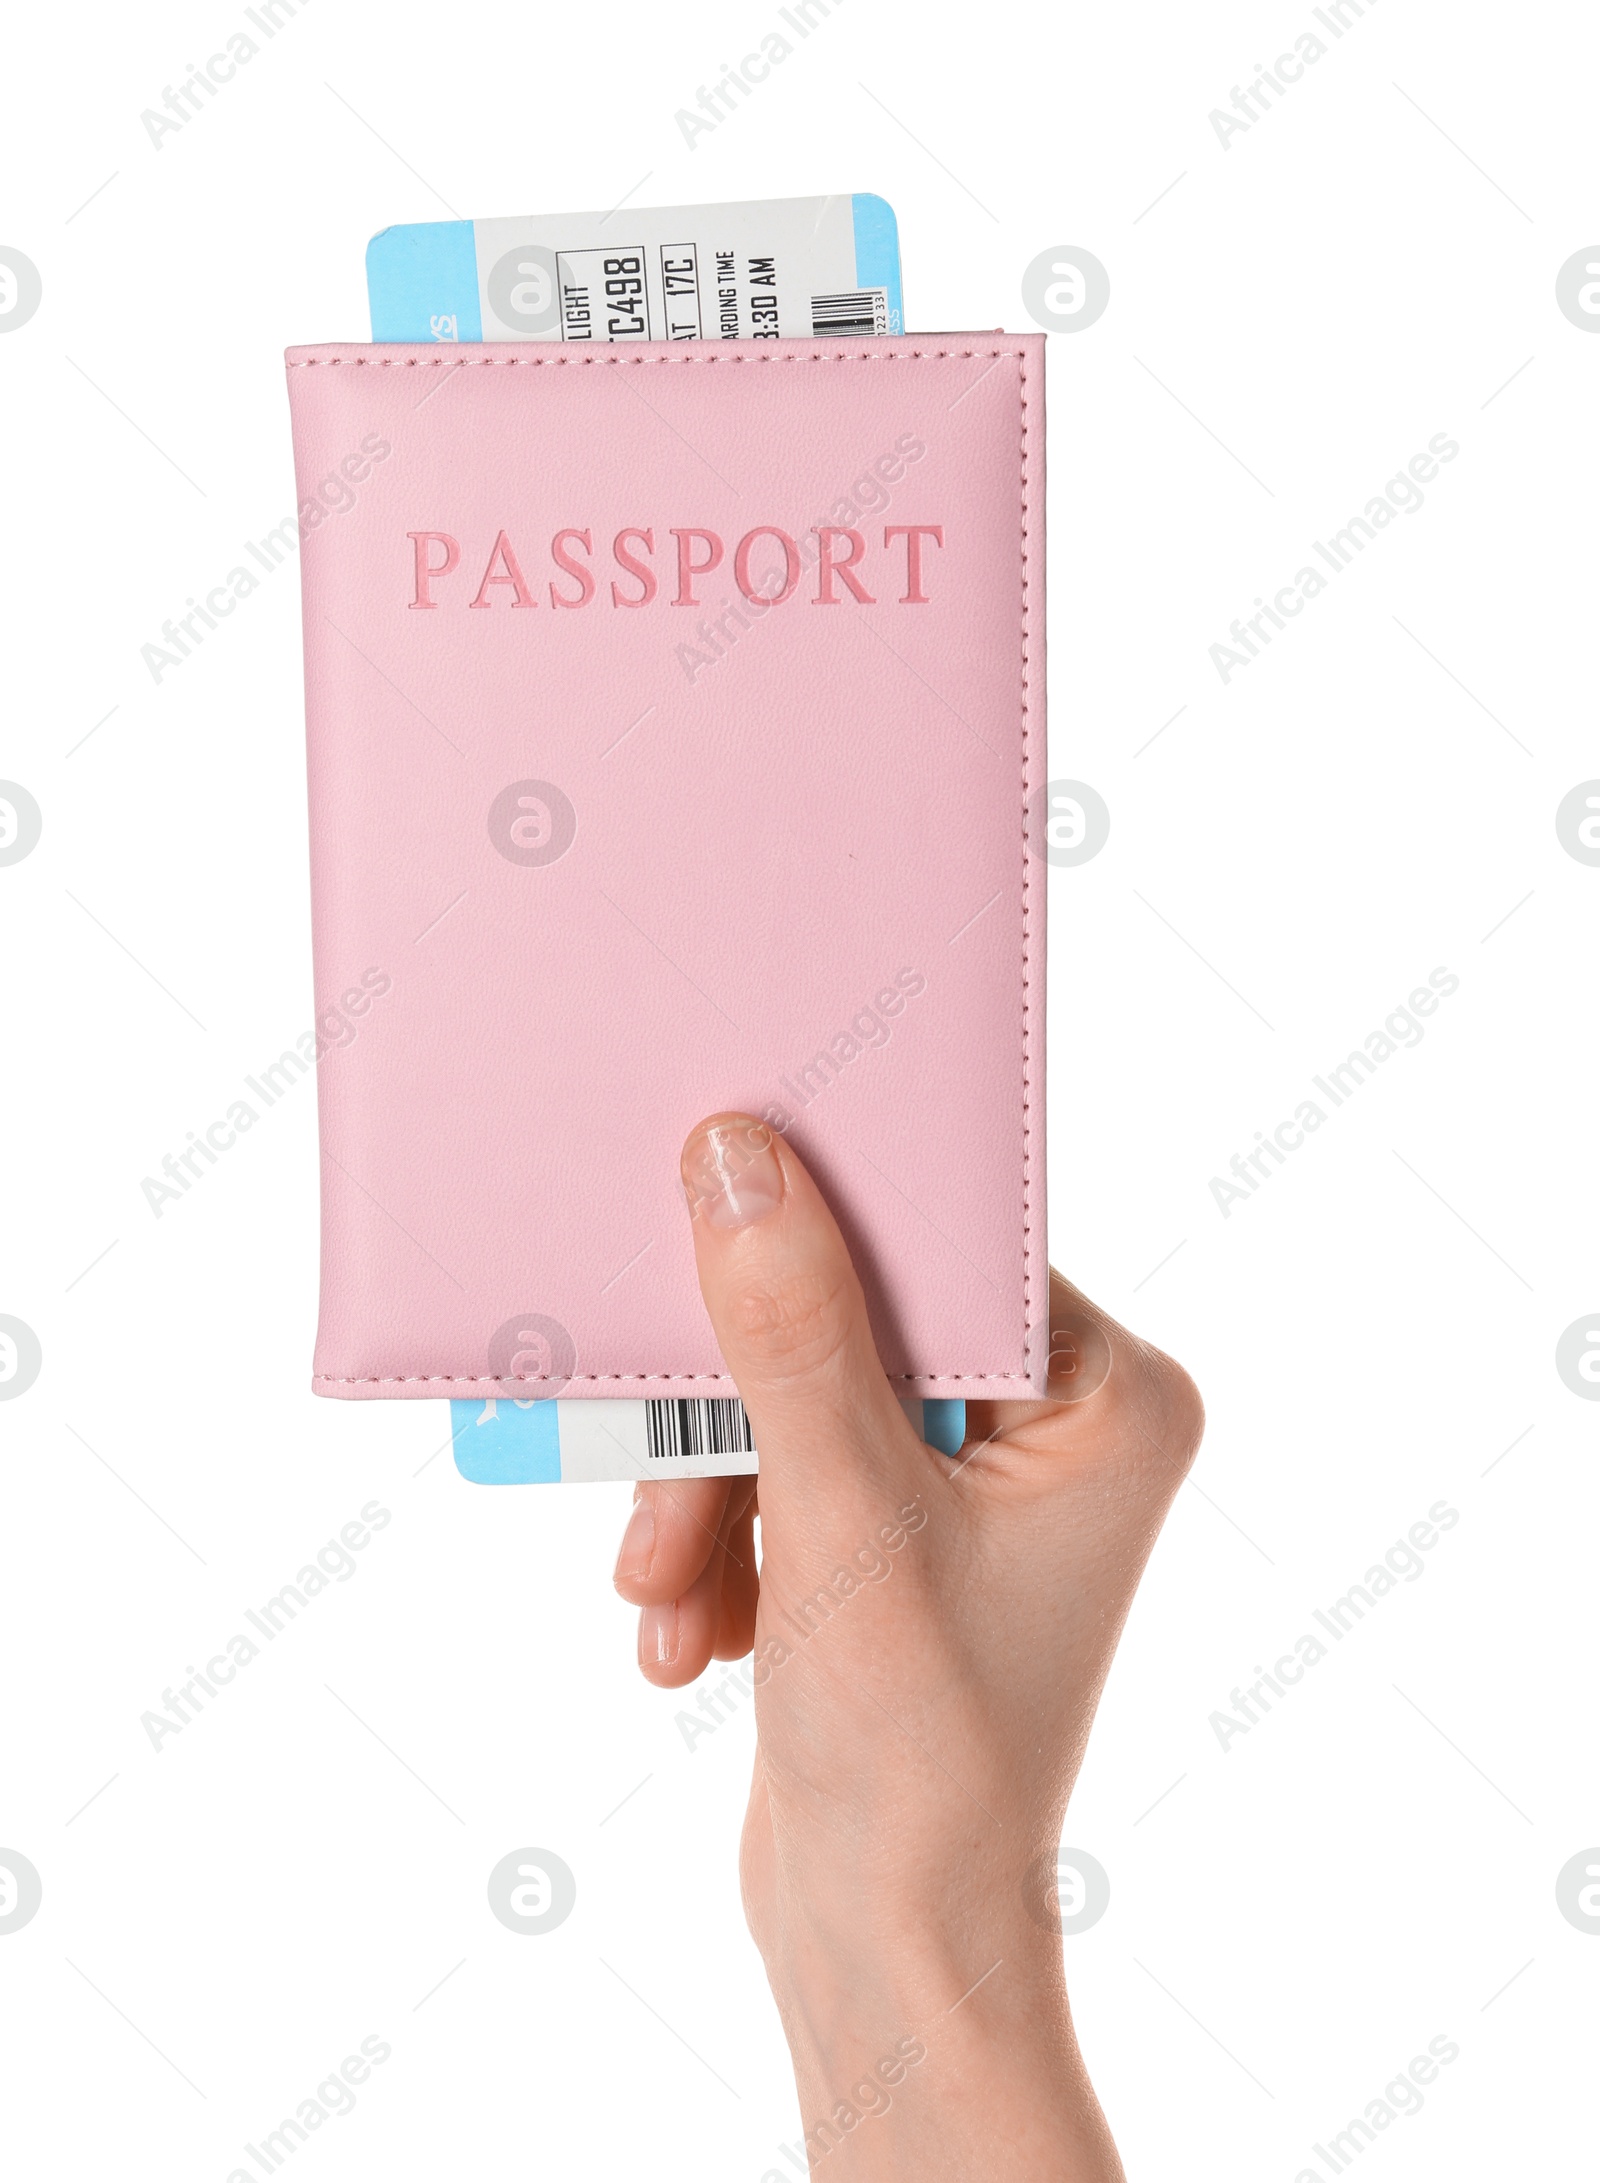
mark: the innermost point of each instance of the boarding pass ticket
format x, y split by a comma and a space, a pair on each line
501, 1443
792, 266
819, 266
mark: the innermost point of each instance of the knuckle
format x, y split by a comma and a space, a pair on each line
1179, 1412
789, 1324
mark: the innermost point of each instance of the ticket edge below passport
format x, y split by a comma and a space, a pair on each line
548, 1442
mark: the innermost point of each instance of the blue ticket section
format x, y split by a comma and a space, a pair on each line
500, 1443
944, 1425
422, 283
507, 1443
878, 251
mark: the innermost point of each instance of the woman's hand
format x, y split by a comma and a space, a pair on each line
931, 1635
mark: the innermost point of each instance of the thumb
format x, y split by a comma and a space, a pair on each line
787, 1310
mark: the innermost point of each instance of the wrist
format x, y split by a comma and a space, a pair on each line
912, 2055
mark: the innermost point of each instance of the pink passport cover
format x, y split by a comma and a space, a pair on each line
601, 844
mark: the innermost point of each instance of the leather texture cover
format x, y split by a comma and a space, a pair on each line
673, 717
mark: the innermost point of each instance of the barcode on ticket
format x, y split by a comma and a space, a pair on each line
714, 1426
858, 311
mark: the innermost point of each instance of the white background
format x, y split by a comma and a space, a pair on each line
1292, 321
